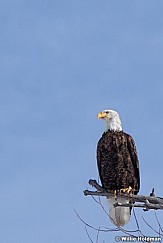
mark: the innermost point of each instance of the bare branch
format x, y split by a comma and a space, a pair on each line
141, 201
145, 202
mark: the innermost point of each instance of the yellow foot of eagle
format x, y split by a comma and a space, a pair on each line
128, 190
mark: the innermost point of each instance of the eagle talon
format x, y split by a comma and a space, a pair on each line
128, 190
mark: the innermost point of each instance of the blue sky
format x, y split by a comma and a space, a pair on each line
61, 63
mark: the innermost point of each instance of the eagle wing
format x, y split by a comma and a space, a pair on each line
99, 159
135, 161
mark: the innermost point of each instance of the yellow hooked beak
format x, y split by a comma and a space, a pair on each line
101, 115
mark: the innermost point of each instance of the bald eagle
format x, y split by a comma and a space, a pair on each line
118, 165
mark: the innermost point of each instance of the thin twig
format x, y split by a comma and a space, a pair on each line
88, 234
151, 227
137, 223
158, 222
98, 232
92, 227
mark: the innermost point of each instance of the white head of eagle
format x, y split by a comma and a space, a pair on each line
112, 120
118, 165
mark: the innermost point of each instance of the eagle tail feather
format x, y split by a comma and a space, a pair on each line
118, 215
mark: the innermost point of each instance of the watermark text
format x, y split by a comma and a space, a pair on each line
137, 239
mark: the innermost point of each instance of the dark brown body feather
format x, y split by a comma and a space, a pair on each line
117, 161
